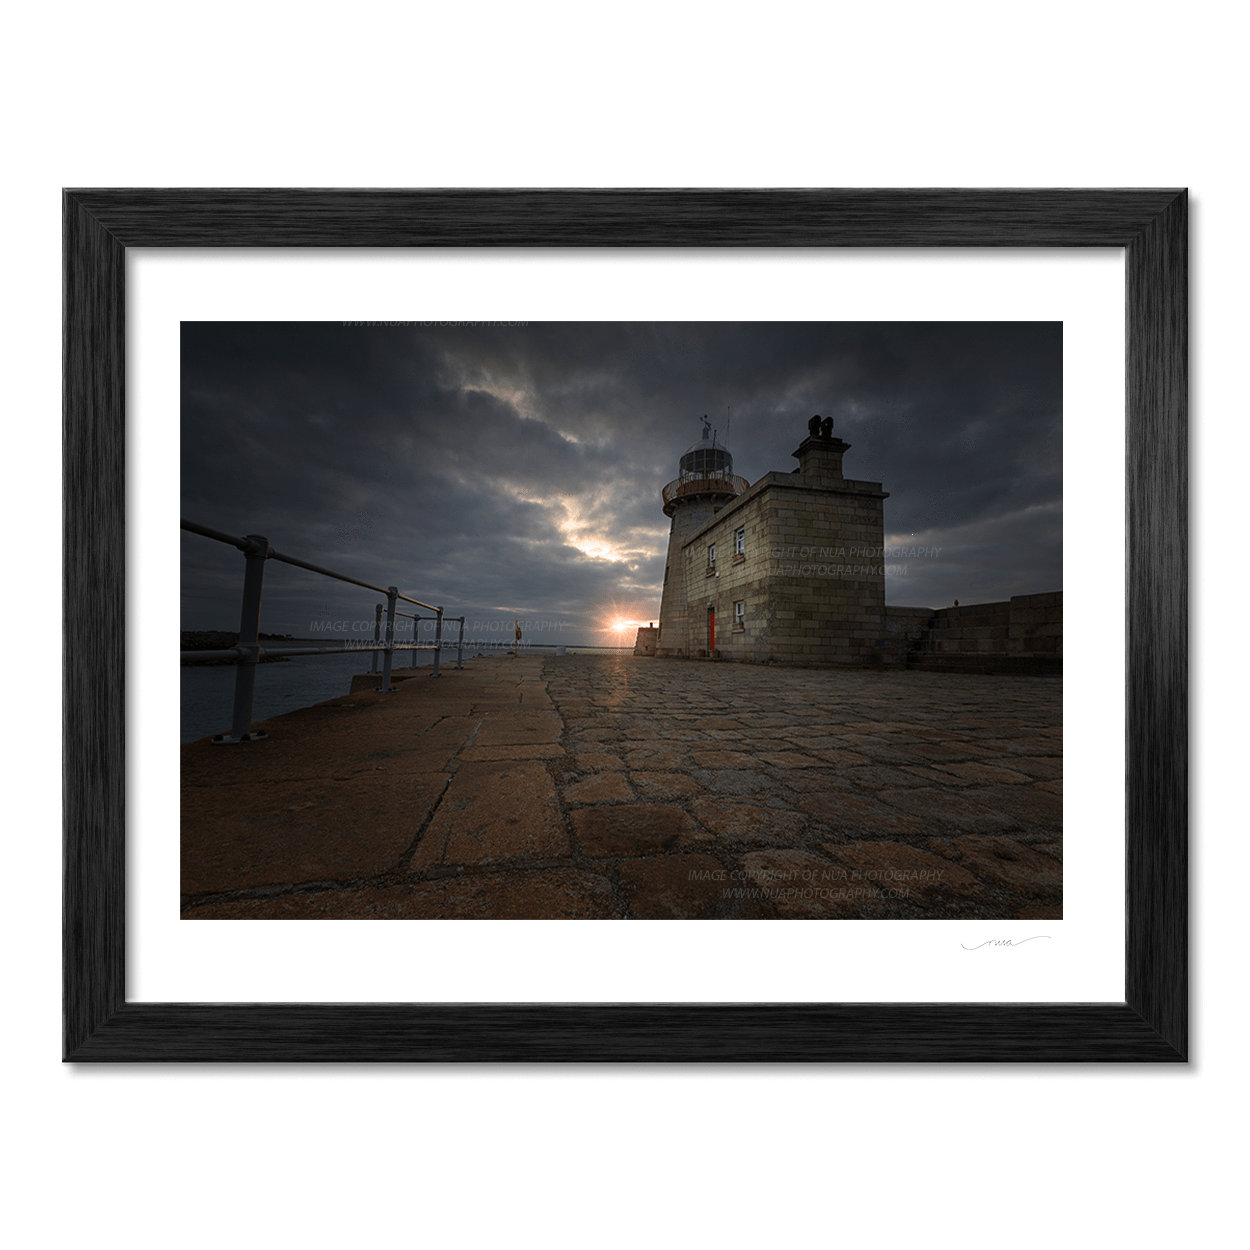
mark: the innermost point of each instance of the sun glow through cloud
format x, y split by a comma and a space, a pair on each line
593, 548
581, 533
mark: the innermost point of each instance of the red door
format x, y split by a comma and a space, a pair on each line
711, 631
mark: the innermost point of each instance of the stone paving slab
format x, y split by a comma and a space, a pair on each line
552, 894
630, 829
1007, 862
927, 877
737, 820
673, 887
332, 739
512, 751
801, 885
625, 787
284, 832
495, 812
594, 760
661, 787
507, 725
603, 788
844, 811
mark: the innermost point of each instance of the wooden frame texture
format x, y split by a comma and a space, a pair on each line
1149, 1025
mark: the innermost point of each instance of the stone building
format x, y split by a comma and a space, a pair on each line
788, 569
791, 569
645, 642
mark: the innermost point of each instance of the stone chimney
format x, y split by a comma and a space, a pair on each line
820, 454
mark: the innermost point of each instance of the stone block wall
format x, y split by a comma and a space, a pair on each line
827, 581
644, 643
678, 627
811, 577
904, 629
979, 628
1023, 634
731, 580
1036, 625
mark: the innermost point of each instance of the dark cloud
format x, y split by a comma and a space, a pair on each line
516, 470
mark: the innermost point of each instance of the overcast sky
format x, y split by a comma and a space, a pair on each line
515, 471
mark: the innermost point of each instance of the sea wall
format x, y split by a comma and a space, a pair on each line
645, 642
1023, 634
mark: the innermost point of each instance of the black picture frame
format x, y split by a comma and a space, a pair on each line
1151, 1022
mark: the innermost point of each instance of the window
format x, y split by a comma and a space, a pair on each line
740, 613
711, 556
740, 542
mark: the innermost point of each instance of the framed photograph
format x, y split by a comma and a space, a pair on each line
1147, 1023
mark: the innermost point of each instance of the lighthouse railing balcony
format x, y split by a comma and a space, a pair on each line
248, 653
713, 481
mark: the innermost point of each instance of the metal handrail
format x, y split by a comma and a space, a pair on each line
243, 545
249, 652
718, 481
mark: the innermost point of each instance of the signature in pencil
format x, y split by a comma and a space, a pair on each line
1004, 942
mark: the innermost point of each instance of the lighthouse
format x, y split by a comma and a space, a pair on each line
705, 484
790, 568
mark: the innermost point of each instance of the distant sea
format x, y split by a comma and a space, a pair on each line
208, 690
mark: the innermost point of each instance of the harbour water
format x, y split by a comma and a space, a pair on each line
207, 691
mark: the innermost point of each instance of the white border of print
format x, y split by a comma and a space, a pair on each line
547, 961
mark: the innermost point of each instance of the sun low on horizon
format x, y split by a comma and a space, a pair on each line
619, 627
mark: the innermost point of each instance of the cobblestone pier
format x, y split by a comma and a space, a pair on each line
623, 787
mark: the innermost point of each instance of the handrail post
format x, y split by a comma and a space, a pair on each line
460, 646
438, 638
392, 593
249, 640
377, 634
